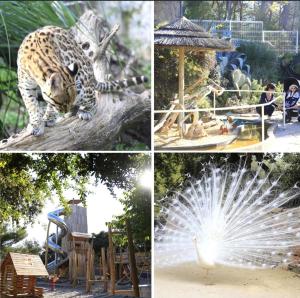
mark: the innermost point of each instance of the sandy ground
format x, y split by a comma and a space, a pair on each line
65, 290
189, 280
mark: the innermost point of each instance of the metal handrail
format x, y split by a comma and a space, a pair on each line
216, 109
234, 108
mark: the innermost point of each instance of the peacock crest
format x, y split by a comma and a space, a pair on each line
229, 217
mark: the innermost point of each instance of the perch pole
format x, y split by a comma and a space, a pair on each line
181, 88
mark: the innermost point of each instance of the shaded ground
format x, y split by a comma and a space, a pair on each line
281, 138
65, 290
190, 280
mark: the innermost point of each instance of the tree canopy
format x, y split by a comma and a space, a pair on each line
172, 171
27, 180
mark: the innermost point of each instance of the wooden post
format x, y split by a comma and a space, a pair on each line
112, 262
47, 248
88, 270
104, 264
133, 271
181, 88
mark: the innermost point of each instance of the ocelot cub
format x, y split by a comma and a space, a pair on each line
50, 59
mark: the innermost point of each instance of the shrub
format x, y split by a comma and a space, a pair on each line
263, 61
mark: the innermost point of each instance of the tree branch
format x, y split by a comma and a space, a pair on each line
97, 134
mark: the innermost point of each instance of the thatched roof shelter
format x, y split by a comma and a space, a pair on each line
184, 33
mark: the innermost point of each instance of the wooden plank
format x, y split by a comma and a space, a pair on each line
30, 265
125, 292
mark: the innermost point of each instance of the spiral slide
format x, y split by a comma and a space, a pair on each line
52, 242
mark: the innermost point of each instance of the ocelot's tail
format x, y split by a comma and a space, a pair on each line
120, 84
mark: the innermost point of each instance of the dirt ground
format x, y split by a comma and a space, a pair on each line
189, 280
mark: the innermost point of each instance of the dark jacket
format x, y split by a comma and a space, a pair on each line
263, 99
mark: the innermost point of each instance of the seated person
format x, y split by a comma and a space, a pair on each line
265, 98
291, 100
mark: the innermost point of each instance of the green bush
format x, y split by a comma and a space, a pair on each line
197, 66
263, 61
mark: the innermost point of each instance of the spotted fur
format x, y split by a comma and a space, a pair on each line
49, 59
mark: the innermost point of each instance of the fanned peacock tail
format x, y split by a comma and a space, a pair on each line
233, 218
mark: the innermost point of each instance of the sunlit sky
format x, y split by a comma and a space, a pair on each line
101, 207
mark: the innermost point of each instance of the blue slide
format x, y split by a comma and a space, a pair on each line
52, 242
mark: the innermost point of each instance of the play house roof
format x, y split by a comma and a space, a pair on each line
184, 33
24, 264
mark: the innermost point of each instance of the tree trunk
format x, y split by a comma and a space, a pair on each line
284, 18
228, 12
113, 113
241, 10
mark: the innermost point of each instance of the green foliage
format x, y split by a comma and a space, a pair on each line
136, 147
197, 66
22, 17
28, 247
9, 237
17, 19
26, 181
137, 209
203, 10
263, 61
173, 170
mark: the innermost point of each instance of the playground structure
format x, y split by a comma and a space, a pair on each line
75, 256
71, 243
119, 268
280, 41
18, 275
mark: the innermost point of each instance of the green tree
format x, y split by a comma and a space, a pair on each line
137, 209
27, 180
10, 237
172, 171
29, 247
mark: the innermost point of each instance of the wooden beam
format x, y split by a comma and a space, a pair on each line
133, 269
181, 87
124, 292
104, 266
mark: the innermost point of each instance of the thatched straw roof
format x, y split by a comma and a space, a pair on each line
184, 33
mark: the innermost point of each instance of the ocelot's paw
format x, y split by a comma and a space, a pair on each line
36, 131
83, 115
50, 123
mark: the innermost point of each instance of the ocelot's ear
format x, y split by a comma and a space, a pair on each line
55, 83
72, 69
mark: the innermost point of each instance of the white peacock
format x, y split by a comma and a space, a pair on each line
233, 218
